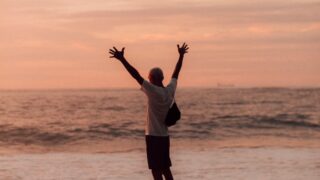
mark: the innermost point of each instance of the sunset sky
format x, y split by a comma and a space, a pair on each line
48, 44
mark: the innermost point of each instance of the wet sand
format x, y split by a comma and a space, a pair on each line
220, 163
263, 159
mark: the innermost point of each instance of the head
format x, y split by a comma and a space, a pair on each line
156, 76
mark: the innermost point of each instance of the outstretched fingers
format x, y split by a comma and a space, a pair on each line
184, 46
111, 51
115, 53
116, 50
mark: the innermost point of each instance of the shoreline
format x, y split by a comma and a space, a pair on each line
120, 145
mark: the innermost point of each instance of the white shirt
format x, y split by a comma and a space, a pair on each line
159, 101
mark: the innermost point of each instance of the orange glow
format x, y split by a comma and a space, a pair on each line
63, 44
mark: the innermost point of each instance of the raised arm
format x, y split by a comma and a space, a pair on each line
182, 50
120, 56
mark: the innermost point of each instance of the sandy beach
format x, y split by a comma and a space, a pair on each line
265, 159
220, 163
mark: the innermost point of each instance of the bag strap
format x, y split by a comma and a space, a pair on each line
173, 101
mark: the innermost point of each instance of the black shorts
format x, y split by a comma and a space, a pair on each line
158, 152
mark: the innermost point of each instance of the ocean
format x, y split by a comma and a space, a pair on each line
61, 117
110, 123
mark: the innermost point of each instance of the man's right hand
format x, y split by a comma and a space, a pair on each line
120, 56
117, 54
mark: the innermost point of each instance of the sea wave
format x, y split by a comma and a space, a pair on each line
219, 127
31, 135
63, 117
265, 121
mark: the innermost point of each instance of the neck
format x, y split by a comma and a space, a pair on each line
158, 83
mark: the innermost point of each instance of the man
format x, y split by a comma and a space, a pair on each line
159, 100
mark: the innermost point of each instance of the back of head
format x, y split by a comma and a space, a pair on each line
155, 75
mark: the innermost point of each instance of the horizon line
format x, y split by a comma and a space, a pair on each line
137, 88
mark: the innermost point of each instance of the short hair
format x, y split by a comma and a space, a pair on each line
156, 73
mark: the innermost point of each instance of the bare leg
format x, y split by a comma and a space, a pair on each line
157, 174
167, 174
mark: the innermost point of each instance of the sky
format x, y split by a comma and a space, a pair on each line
49, 44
